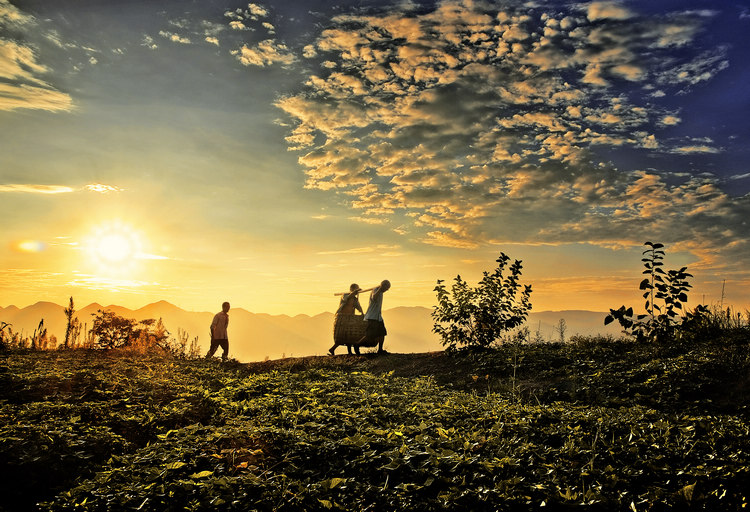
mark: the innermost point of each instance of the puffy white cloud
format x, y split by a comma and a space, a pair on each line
471, 123
257, 10
265, 53
607, 10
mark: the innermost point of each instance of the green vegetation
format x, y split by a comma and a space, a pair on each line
477, 317
665, 293
658, 421
611, 424
109, 331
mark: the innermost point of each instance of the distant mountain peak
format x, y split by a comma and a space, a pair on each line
162, 304
45, 303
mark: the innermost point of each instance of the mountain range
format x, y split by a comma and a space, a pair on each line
259, 336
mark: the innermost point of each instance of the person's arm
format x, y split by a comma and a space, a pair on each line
213, 325
358, 306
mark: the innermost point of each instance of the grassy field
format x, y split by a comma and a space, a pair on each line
609, 425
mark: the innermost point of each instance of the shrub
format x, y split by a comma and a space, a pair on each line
477, 317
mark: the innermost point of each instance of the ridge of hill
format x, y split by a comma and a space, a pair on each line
261, 336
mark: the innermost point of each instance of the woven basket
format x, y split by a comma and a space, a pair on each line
348, 329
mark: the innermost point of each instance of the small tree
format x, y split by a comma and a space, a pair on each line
477, 317
111, 330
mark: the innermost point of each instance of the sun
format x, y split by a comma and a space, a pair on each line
114, 247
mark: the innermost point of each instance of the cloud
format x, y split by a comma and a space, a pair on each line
175, 38
695, 149
257, 10
700, 69
110, 284
11, 15
212, 40
33, 188
607, 10
20, 96
102, 189
22, 82
474, 121
670, 120
149, 43
36, 189
265, 53
363, 250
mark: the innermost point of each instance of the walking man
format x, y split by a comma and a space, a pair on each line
219, 337
375, 332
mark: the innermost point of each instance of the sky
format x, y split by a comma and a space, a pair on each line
271, 153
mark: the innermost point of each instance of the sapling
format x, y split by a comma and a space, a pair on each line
665, 293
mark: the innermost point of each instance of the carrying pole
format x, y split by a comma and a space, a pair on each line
358, 291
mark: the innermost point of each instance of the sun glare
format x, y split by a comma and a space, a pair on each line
114, 247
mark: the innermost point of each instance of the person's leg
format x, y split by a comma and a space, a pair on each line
333, 348
380, 344
349, 349
225, 349
370, 334
212, 349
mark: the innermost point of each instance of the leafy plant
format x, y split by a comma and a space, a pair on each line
665, 293
600, 424
114, 331
477, 317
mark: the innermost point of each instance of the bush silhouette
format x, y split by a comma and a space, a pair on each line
476, 317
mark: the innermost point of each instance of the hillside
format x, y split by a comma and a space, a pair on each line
606, 425
258, 336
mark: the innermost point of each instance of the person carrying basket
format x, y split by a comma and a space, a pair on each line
346, 319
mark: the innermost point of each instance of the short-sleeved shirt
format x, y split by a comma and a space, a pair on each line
375, 306
219, 326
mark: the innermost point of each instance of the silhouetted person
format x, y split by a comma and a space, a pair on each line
375, 333
219, 337
347, 306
